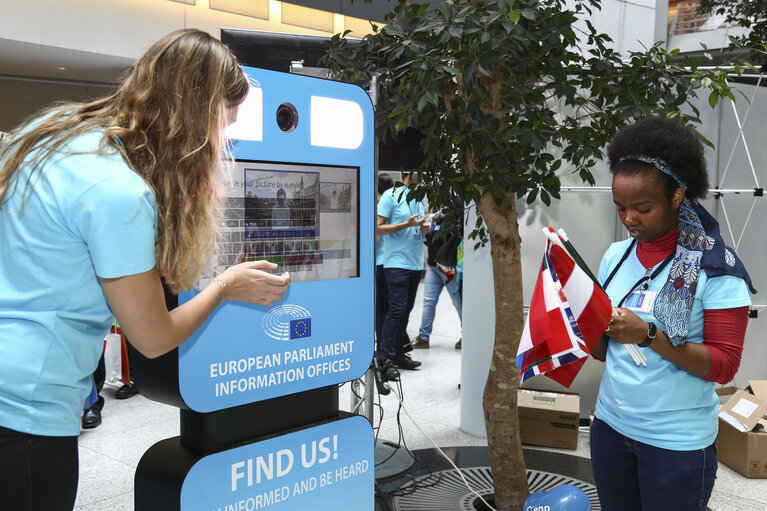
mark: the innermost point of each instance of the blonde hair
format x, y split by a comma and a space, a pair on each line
167, 119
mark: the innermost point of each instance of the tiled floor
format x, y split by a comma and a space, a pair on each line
109, 454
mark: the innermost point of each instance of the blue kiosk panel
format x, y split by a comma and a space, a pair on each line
321, 467
300, 193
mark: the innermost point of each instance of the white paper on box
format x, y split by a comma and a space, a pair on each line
732, 421
744, 408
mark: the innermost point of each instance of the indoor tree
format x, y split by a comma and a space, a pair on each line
751, 15
507, 94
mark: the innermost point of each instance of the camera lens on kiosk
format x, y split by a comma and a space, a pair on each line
287, 117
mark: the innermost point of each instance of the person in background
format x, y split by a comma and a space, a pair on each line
443, 246
281, 211
385, 182
98, 202
682, 297
94, 404
401, 224
334, 200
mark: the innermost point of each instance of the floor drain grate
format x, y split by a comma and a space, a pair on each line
449, 493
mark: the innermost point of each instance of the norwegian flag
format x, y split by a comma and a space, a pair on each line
568, 314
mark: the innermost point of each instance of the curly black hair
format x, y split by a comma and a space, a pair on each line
667, 139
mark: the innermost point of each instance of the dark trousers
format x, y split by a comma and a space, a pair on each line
37, 472
382, 298
634, 476
401, 286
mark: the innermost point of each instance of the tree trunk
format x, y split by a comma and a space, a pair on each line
500, 395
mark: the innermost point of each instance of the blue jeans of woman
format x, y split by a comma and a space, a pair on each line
634, 476
433, 283
37, 472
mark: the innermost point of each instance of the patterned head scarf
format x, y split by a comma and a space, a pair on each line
699, 247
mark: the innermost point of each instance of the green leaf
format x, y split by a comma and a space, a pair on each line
483, 70
421, 103
400, 124
713, 99
545, 198
451, 70
468, 73
514, 16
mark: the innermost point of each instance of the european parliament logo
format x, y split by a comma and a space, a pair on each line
288, 322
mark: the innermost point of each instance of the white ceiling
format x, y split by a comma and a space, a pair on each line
19, 59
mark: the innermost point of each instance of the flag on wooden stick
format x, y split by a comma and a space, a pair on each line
568, 314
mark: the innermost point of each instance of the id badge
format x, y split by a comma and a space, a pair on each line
640, 301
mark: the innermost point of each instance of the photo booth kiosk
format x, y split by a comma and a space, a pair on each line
257, 386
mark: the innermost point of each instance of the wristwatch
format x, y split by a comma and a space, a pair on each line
652, 331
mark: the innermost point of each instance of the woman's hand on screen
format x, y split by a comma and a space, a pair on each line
251, 282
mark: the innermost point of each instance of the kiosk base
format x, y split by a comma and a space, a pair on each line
392, 459
216, 430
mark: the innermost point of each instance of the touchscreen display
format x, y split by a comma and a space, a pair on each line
305, 218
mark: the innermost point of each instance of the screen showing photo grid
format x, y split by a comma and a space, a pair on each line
303, 218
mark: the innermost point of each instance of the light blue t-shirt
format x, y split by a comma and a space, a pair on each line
404, 248
87, 216
660, 404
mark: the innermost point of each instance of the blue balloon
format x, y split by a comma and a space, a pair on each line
562, 498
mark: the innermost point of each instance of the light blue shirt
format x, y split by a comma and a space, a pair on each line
660, 404
87, 216
404, 248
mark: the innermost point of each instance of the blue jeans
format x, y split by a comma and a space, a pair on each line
432, 287
401, 286
633, 476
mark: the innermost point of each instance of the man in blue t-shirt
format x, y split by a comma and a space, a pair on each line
401, 225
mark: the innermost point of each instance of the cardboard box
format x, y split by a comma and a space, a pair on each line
548, 418
744, 451
743, 410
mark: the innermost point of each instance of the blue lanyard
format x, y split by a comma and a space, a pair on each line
646, 278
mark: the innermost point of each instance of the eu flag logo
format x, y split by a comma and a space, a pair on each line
300, 328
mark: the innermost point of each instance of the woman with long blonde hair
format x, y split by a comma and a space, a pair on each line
98, 203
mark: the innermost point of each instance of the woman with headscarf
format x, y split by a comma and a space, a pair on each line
682, 297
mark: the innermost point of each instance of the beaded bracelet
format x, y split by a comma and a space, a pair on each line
222, 285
